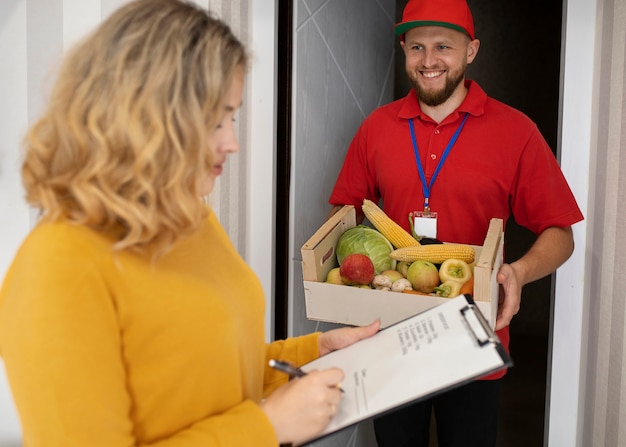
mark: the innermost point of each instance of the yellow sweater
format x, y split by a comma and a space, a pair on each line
105, 349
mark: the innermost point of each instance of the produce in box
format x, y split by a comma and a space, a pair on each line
367, 258
356, 269
366, 241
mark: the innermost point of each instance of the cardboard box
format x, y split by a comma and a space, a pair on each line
356, 306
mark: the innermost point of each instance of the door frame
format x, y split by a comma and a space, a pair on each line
566, 382
565, 395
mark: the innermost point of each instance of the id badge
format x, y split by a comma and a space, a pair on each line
425, 224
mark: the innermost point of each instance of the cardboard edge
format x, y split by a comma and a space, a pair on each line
344, 218
487, 266
491, 244
359, 307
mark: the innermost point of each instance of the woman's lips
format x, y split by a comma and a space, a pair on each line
217, 169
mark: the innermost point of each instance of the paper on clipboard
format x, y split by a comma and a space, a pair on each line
436, 350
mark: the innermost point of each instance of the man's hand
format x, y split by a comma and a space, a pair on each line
510, 296
551, 249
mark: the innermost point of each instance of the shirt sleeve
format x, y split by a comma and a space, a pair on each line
541, 197
356, 179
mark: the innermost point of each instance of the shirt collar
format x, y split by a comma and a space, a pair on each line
474, 104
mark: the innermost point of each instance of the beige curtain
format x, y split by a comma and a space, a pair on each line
605, 397
228, 199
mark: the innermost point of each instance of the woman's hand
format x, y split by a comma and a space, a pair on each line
340, 338
303, 407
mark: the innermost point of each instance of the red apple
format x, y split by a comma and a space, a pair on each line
356, 269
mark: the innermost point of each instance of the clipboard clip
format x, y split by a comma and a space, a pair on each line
478, 324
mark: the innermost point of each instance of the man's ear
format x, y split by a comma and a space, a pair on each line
472, 50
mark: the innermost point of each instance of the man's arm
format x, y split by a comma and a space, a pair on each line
551, 249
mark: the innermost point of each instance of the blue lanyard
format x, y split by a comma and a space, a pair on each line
425, 186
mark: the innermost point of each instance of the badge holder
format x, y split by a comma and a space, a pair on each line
425, 223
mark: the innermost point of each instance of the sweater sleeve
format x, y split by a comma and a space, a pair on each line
298, 350
60, 342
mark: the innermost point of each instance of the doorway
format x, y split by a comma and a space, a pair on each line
515, 65
519, 64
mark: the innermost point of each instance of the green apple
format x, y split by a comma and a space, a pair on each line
334, 276
423, 276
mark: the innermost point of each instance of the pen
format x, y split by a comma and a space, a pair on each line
287, 368
293, 371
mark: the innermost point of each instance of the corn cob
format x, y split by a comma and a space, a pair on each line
435, 253
397, 235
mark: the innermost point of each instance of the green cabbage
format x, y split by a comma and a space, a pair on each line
369, 242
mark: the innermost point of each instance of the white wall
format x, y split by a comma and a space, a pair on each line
259, 219
565, 422
14, 214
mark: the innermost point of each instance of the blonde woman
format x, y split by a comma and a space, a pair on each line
127, 317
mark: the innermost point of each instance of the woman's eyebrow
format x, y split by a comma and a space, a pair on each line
230, 108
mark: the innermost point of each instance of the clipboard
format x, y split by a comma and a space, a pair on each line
434, 351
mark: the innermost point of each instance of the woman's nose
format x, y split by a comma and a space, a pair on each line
230, 144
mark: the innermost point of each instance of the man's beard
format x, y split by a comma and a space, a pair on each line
434, 98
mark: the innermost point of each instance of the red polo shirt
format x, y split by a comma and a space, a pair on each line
499, 164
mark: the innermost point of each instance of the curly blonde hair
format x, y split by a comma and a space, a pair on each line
122, 146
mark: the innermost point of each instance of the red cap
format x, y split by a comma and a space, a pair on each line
454, 14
